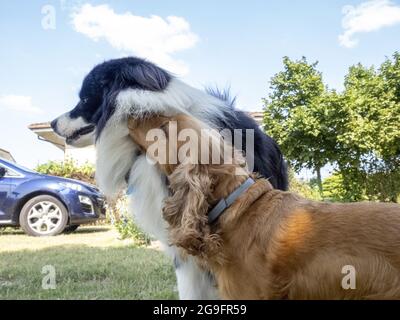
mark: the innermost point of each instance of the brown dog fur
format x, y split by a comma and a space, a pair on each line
272, 244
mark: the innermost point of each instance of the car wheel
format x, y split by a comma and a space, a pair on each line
43, 216
70, 229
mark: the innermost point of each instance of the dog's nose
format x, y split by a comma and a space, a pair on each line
53, 124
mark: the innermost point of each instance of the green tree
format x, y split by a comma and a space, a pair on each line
369, 140
357, 131
295, 116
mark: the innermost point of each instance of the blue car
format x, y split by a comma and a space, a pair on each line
44, 205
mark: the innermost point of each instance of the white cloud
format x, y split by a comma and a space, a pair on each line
366, 17
151, 37
18, 103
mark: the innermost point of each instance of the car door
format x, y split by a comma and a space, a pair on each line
7, 184
4, 192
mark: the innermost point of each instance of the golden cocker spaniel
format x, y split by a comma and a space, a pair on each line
268, 244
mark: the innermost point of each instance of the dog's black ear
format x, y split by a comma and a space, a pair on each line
144, 76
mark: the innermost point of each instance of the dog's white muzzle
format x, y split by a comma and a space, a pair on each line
76, 131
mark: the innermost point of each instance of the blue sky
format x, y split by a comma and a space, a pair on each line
236, 43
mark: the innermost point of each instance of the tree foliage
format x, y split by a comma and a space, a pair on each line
357, 130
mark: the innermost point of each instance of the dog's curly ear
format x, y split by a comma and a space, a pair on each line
186, 210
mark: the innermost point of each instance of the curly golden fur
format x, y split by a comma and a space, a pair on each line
271, 244
192, 183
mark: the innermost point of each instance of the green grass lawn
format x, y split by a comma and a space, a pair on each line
89, 264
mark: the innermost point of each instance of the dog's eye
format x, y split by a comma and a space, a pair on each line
85, 100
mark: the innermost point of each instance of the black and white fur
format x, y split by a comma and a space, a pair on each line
119, 88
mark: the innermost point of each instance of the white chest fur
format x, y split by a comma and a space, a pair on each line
146, 201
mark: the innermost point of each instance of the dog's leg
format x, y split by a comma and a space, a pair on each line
194, 283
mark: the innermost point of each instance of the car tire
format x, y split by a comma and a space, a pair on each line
70, 229
43, 216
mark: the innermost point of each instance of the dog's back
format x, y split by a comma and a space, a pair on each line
290, 247
268, 158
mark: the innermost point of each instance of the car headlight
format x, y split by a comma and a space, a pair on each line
71, 185
85, 200
87, 204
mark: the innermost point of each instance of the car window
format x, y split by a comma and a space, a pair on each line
10, 173
23, 168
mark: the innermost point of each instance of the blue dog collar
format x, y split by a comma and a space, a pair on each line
225, 203
130, 190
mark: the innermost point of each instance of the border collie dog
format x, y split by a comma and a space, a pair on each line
122, 88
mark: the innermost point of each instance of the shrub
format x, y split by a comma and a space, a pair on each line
123, 222
128, 229
68, 169
379, 186
333, 189
303, 188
